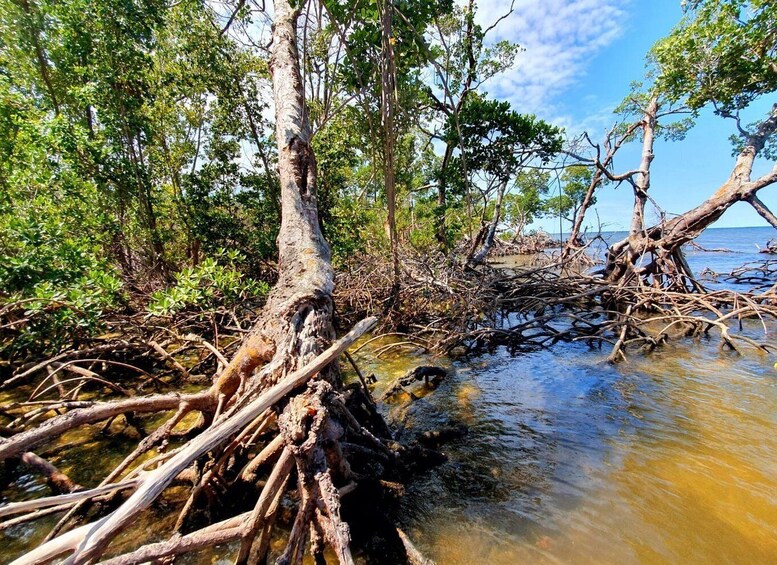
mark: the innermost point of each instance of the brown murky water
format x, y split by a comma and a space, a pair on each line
671, 457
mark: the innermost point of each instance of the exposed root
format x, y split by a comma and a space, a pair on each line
259, 440
314, 427
461, 311
57, 480
432, 376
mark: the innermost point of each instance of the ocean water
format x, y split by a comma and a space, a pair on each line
727, 248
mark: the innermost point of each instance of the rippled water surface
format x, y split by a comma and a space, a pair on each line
671, 457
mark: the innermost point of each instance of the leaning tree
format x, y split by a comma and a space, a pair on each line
263, 388
722, 54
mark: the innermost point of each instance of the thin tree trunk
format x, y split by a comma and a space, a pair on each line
577, 226
387, 110
599, 174
763, 210
642, 184
481, 254
134, 144
442, 196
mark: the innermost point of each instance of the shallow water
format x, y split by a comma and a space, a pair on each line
670, 457
667, 457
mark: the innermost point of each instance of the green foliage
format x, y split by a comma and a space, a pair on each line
499, 144
525, 203
361, 68
143, 100
576, 180
343, 215
498, 140
55, 286
134, 141
230, 209
214, 282
636, 105
723, 52
465, 55
464, 60
123, 136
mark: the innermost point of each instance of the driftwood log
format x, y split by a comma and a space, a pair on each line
431, 376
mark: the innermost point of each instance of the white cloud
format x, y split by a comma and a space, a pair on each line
560, 37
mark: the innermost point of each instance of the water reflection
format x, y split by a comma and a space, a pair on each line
569, 459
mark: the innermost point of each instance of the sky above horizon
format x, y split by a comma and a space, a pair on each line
579, 58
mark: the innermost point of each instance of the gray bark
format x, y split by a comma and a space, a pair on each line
481, 254
664, 240
642, 184
763, 210
296, 323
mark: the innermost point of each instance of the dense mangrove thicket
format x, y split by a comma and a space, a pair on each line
196, 197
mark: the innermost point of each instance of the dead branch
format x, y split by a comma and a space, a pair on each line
88, 542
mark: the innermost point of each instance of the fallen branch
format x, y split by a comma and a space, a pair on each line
30, 505
90, 540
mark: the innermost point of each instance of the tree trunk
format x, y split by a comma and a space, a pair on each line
574, 235
601, 167
440, 230
388, 75
518, 228
442, 196
663, 242
481, 254
292, 338
642, 184
134, 142
296, 322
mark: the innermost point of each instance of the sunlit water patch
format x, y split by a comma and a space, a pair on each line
671, 457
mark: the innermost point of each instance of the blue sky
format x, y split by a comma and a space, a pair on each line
580, 57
